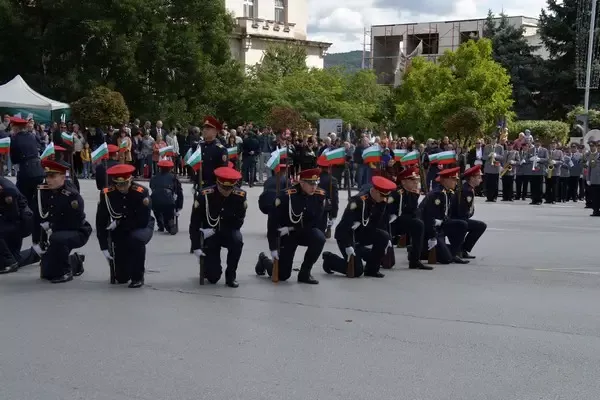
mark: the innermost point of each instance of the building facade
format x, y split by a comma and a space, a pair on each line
264, 22
437, 37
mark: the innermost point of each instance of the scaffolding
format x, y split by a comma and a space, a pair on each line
367, 60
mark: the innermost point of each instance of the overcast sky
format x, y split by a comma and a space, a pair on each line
342, 22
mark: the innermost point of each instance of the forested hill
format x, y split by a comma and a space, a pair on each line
351, 60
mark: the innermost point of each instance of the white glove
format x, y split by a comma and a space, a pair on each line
355, 225
552, 162
45, 226
513, 162
589, 183
275, 254
177, 213
437, 222
350, 251
534, 158
492, 155
199, 253
38, 250
112, 225
523, 162
107, 255
285, 230
393, 217
389, 244
431, 243
208, 232
329, 222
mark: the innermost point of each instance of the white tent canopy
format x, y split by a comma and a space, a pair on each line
18, 94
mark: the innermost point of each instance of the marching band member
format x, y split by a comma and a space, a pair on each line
404, 218
521, 177
435, 211
167, 197
555, 161
296, 220
565, 173
593, 178
463, 208
328, 183
538, 157
509, 170
124, 211
58, 209
575, 172
364, 224
218, 215
16, 223
493, 154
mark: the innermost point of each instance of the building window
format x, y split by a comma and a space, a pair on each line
280, 11
249, 8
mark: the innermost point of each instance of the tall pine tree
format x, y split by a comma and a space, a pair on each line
512, 50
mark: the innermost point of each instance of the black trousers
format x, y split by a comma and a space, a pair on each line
522, 186
595, 197
339, 264
165, 217
563, 189
475, 230
10, 250
491, 186
455, 230
130, 253
233, 242
55, 262
507, 187
373, 257
28, 187
536, 188
582, 190
415, 229
551, 189
313, 239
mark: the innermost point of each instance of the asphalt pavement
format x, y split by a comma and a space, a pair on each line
520, 322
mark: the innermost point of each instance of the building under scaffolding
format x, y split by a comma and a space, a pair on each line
382, 41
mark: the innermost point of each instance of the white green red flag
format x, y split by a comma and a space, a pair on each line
410, 158
446, 157
67, 138
195, 159
5, 145
101, 153
335, 156
165, 151
48, 151
283, 152
399, 153
232, 153
372, 154
273, 163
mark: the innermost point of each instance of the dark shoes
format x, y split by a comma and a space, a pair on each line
136, 284
458, 260
374, 274
232, 284
466, 255
10, 268
302, 278
63, 278
419, 265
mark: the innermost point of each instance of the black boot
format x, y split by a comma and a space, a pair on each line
136, 284
416, 264
260, 265
63, 278
466, 255
304, 276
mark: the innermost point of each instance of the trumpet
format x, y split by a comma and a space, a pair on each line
507, 168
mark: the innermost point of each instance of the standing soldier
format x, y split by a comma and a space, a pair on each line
16, 223
405, 206
295, 222
463, 208
364, 223
435, 211
593, 178
509, 170
113, 159
58, 210
575, 172
538, 158
24, 152
217, 217
329, 184
565, 174
493, 155
214, 154
124, 210
167, 197
555, 161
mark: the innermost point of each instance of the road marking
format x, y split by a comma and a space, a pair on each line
572, 271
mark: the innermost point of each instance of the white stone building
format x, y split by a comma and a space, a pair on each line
437, 37
262, 22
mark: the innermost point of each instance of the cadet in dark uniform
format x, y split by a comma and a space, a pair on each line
435, 212
295, 220
113, 159
330, 186
167, 197
59, 211
364, 224
16, 223
463, 208
24, 151
218, 215
124, 210
404, 217
266, 200
214, 154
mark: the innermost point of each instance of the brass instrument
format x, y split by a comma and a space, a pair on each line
550, 169
506, 169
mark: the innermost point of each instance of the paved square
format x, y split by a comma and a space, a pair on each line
520, 322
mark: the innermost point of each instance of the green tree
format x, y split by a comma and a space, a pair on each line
513, 52
464, 124
281, 60
101, 107
467, 78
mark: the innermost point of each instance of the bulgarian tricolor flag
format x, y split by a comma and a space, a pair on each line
335, 156
195, 159
399, 153
165, 151
186, 157
68, 139
274, 161
446, 157
433, 158
123, 146
410, 158
48, 151
372, 154
101, 153
232, 153
5, 145
283, 152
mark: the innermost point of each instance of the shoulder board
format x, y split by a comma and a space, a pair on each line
107, 190
66, 192
220, 145
290, 191
239, 192
139, 188
364, 197
320, 191
207, 191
